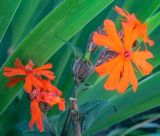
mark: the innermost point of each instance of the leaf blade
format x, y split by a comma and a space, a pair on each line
7, 11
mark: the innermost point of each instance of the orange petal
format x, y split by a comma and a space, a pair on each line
112, 33
28, 84
9, 72
136, 33
124, 82
127, 29
47, 66
99, 39
122, 85
107, 67
103, 40
51, 100
145, 36
47, 73
18, 63
149, 41
61, 104
36, 82
52, 88
131, 34
145, 67
132, 77
39, 124
30, 65
128, 76
121, 11
114, 76
135, 36
142, 55
36, 116
13, 81
129, 17
139, 58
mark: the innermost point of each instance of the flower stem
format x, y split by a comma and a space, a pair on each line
50, 129
75, 117
68, 113
73, 112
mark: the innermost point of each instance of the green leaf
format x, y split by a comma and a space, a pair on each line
153, 22
7, 11
28, 15
129, 104
89, 110
65, 21
22, 129
142, 9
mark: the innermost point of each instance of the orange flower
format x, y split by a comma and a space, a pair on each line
50, 98
31, 74
120, 69
132, 19
42, 93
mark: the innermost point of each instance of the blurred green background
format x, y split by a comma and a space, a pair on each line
50, 31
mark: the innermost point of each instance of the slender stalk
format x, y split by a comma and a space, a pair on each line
66, 123
68, 113
75, 117
51, 130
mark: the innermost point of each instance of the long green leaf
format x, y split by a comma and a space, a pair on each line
142, 9
128, 104
42, 42
7, 11
27, 16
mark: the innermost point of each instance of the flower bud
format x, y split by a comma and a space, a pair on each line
44, 106
105, 55
81, 70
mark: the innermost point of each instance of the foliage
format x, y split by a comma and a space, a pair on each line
56, 31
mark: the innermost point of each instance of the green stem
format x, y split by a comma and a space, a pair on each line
51, 130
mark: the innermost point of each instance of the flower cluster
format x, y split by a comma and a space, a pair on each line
129, 57
37, 84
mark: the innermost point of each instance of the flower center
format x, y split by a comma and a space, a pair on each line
127, 54
34, 94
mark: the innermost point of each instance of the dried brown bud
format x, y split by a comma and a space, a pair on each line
105, 55
44, 106
101, 30
135, 44
91, 45
81, 70
33, 95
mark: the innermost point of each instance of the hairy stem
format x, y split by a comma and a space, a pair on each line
68, 114
73, 112
75, 118
50, 129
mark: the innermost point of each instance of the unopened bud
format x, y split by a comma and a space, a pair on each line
105, 55
81, 70
91, 46
44, 106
